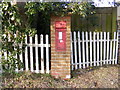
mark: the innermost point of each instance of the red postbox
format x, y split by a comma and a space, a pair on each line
60, 35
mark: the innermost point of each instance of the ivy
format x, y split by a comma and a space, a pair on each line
41, 12
13, 34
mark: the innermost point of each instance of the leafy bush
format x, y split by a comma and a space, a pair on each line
12, 34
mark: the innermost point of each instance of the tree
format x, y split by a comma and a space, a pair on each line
43, 11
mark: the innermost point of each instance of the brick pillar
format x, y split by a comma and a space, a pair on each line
60, 60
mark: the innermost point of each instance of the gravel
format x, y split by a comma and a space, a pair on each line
95, 77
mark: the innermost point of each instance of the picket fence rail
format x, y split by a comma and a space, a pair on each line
93, 49
36, 55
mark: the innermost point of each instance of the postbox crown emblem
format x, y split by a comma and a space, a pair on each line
60, 24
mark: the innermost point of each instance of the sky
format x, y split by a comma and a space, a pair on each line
98, 3
104, 3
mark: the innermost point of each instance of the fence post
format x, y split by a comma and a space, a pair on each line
47, 54
113, 61
79, 49
83, 49
36, 51
26, 55
75, 50
60, 47
42, 54
90, 49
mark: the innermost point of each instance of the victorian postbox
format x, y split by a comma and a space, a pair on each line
60, 35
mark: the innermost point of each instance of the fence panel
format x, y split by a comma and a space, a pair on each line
94, 49
35, 58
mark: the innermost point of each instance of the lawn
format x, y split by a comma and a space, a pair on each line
96, 77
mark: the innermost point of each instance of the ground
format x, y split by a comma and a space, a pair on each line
96, 77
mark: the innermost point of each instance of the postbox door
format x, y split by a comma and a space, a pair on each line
60, 40
60, 35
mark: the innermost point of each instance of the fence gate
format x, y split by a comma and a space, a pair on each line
93, 49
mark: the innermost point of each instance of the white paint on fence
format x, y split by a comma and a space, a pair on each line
79, 48
41, 62
31, 55
83, 50
94, 48
26, 56
97, 48
101, 54
42, 53
104, 48
107, 47
90, 49
47, 54
75, 49
113, 62
36, 54
87, 49
101, 48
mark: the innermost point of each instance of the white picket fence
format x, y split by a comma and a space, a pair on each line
93, 49
36, 55
87, 49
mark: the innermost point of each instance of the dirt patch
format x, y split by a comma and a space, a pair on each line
97, 77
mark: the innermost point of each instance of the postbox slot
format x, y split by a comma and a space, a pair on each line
60, 35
